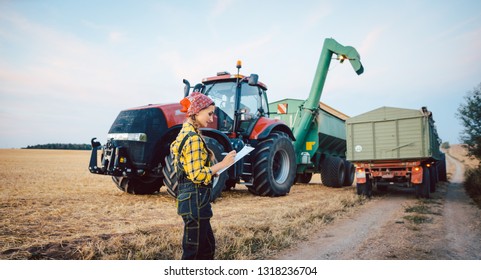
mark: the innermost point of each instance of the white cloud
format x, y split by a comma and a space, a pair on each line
371, 40
116, 37
220, 7
314, 16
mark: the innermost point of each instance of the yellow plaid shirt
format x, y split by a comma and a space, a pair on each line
193, 156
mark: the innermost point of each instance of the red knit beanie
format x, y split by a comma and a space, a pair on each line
195, 102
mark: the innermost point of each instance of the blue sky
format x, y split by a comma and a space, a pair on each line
68, 67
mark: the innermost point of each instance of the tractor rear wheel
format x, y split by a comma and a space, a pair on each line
170, 176
230, 184
147, 185
274, 166
219, 183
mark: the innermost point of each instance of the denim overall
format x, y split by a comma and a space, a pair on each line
193, 205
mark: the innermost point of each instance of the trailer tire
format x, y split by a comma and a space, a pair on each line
442, 168
365, 188
422, 190
349, 174
170, 176
148, 185
333, 172
433, 178
381, 187
303, 178
368, 191
273, 166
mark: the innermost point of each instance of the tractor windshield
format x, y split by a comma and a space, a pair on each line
252, 102
223, 94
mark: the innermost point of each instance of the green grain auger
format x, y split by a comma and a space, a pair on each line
320, 143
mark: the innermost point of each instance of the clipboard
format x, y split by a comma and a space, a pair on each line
242, 153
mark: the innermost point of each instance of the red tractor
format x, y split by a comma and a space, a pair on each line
137, 154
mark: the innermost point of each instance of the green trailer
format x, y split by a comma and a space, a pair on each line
329, 122
395, 146
325, 141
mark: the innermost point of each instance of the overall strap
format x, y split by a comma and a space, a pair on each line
180, 168
181, 146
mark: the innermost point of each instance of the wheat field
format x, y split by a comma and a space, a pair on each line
52, 207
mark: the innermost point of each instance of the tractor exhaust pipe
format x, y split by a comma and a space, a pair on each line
186, 87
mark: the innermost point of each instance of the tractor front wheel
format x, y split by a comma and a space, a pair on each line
148, 185
170, 176
274, 166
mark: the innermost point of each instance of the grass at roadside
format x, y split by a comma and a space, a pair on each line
472, 184
51, 207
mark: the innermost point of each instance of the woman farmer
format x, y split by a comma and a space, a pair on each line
195, 173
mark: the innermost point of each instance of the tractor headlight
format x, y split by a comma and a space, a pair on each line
141, 137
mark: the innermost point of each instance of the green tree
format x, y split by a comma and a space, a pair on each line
469, 113
445, 145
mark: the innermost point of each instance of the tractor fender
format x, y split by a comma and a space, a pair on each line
173, 131
264, 127
219, 136
162, 147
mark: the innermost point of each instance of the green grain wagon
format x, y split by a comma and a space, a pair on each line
325, 147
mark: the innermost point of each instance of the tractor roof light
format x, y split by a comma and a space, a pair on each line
239, 64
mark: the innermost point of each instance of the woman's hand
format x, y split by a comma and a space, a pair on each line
228, 160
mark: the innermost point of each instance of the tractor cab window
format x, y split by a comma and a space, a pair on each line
252, 103
223, 95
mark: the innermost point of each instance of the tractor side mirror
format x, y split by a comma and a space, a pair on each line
197, 87
253, 79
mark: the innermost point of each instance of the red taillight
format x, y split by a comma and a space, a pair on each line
417, 175
360, 175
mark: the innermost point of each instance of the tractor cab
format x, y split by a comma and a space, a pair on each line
240, 101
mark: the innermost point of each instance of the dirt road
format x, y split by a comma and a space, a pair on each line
396, 225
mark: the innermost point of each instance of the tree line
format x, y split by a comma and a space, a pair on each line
469, 112
60, 146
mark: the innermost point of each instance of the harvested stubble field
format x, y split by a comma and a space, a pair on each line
51, 207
